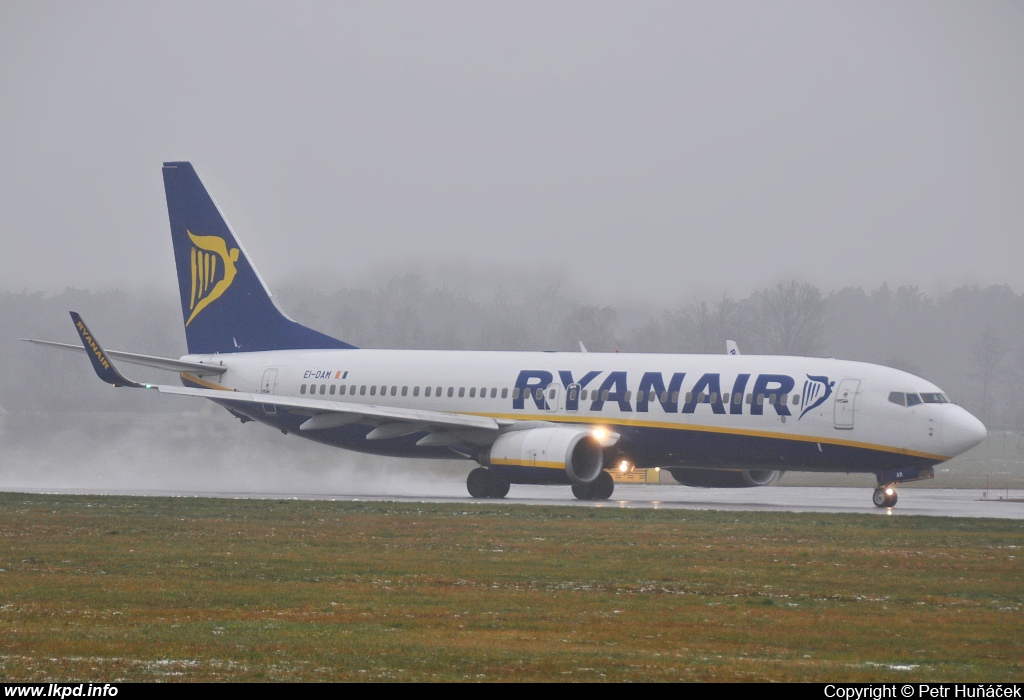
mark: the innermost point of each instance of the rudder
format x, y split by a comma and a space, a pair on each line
224, 302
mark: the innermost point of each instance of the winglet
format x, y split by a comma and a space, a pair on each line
731, 347
100, 362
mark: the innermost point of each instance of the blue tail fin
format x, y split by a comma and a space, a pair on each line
225, 304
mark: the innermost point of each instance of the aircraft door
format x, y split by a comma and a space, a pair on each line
572, 398
267, 387
846, 403
552, 398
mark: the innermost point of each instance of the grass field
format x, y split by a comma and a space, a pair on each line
125, 588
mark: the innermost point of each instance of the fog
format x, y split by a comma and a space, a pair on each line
61, 427
632, 153
642, 177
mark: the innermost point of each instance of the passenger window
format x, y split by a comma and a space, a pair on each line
352, 390
416, 390
783, 399
737, 398
494, 392
689, 396
332, 390
583, 394
472, 392
437, 392
572, 394
604, 395
504, 393
302, 389
551, 394
771, 399
675, 397
714, 397
760, 399
750, 399
898, 398
515, 393
796, 399
341, 390
362, 390
664, 397
483, 393
394, 390
451, 391
626, 395
405, 391
373, 390
462, 391
426, 392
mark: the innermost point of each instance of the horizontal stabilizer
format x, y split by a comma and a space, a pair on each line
166, 363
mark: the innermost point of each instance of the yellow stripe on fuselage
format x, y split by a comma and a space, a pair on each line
717, 429
203, 383
542, 464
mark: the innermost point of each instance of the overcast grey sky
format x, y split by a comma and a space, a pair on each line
635, 150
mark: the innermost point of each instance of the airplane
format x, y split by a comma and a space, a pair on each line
725, 421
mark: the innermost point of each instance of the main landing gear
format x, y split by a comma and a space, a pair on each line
600, 489
885, 496
483, 483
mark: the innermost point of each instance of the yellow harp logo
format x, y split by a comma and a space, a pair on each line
213, 271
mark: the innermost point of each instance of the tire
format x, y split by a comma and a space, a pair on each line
881, 499
480, 483
584, 492
499, 487
603, 487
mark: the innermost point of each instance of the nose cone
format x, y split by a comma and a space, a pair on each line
961, 431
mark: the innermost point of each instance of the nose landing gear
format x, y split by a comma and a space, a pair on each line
885, 496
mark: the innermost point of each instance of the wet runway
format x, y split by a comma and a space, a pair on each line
966, 503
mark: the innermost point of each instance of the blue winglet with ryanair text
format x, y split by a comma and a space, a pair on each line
100, 362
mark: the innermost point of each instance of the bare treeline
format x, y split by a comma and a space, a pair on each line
970, 341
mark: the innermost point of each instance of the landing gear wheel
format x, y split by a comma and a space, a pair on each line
584, 492
483, 483
600, 489
479, 483
500, 487
603, 487
884, 497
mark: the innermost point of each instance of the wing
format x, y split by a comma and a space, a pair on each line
390, 421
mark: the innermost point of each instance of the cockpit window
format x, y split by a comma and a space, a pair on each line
898, 398
934, 398
913, 399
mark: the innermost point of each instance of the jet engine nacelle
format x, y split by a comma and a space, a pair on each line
575, 451
725, 478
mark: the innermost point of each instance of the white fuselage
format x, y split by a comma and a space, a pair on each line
684, 410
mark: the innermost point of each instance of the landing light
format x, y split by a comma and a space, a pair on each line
624, 466
599, 433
